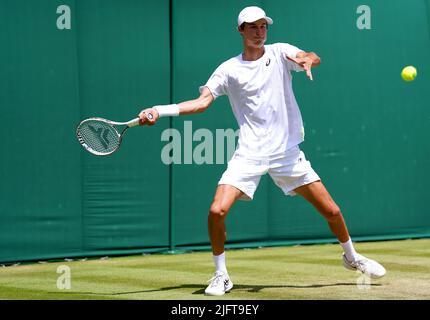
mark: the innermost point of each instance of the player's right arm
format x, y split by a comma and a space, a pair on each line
197, 105
187, 107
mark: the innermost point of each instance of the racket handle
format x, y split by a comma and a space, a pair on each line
134, 122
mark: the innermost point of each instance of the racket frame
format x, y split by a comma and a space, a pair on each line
132, 123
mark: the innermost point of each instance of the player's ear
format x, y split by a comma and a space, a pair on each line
241, 28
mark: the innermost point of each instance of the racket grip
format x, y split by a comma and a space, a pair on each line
134, 122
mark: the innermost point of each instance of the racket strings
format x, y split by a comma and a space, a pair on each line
98, 136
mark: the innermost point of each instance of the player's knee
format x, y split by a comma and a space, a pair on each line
216, 211
333, 213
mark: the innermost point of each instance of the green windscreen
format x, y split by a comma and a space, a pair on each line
64, 61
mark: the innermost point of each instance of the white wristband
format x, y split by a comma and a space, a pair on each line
168, 110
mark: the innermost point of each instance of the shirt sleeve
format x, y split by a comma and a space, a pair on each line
217, 83
289, 50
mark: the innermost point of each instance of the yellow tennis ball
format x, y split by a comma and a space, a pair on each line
409, 73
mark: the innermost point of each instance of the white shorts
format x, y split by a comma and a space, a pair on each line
289, 171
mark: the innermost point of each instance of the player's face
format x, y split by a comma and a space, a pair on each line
255, 33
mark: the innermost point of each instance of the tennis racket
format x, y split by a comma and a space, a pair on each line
103, 137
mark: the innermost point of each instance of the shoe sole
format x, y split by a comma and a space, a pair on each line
219, 294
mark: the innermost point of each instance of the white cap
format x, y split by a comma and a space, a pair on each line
252, 14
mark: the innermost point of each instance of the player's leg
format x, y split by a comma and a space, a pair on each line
225, 196
320, 198
294, 175
239, 181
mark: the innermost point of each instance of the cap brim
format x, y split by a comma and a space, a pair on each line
251, 20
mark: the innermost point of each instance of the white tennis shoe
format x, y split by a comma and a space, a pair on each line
367, 266
220, 283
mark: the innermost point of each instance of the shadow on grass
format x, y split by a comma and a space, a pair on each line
248, 288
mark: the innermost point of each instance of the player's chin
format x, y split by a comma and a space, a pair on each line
259, 44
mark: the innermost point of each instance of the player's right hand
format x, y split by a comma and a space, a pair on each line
148, 116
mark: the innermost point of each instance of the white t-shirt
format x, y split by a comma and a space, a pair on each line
262, 99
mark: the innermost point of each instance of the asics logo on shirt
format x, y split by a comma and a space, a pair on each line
268, 62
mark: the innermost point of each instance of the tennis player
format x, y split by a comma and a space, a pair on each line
258, 85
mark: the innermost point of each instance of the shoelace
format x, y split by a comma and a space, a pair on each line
360, 264
216, 279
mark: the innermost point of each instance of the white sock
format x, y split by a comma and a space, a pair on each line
349, 250
220, 263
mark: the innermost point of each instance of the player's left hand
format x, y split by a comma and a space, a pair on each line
305, 63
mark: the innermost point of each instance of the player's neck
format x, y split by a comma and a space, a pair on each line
252, 54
